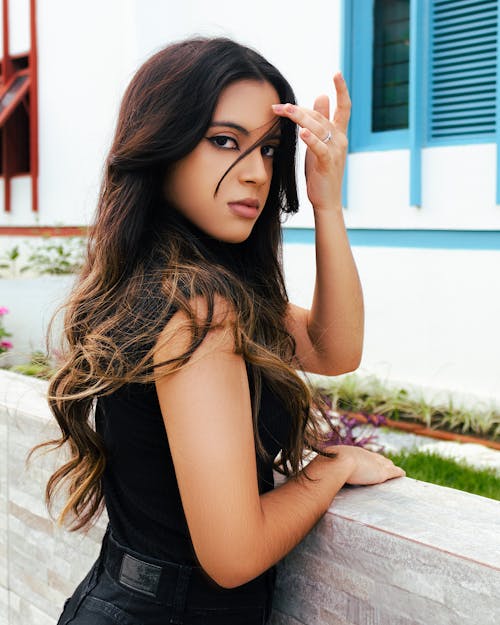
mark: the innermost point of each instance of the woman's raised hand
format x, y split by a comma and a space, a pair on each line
367, 467
326, 142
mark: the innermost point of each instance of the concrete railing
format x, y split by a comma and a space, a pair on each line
400, 553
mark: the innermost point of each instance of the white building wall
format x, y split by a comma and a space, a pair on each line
458, 189
431, 314
86, 52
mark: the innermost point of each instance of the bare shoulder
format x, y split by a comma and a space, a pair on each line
184, 333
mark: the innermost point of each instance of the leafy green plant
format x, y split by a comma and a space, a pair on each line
56, 258
369, 396
39, 366
430, 467
8, 260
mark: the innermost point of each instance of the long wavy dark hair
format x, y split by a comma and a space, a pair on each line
145, 261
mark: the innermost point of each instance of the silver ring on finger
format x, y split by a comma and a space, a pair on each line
328, 137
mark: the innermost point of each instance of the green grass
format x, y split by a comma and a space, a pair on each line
429, 467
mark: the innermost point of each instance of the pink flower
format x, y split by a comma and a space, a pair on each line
6, 344
3, 310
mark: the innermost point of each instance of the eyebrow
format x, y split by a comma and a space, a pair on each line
230, 125
244, 131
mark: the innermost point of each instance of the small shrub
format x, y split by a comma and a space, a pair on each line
8, 260
39, 366
369, 396
349, 431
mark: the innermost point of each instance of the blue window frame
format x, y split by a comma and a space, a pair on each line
462, 73
453, 51
380, 73
391, 61
453, 74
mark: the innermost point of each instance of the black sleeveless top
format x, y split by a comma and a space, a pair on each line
140, 489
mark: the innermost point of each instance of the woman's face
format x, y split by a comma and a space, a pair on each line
242, 116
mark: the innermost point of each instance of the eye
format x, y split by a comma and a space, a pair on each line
224, 142
269, 150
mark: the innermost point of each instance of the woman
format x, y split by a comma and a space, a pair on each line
181, 335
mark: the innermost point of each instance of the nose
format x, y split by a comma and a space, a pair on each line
254, 168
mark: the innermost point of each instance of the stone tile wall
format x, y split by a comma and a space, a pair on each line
40, 563
399, 553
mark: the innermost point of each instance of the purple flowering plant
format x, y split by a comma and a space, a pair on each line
5, 345
348, 430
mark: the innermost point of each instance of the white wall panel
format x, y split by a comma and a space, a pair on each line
20, 203
431, 314
85, 62
458, 189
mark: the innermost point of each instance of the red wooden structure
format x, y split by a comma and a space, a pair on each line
19, 111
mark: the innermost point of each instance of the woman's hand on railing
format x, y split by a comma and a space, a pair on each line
367, 467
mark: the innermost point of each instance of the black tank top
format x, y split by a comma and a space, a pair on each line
140, 489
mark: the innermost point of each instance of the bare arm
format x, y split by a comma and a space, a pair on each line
329, 336
238, 534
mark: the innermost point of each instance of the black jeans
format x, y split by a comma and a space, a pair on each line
124, 587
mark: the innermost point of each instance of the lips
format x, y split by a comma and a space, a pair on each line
248, 208
247, 202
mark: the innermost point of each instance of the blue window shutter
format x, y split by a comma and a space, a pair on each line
463, 69
361, 42
390, 65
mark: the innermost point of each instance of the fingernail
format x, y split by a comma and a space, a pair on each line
278, 108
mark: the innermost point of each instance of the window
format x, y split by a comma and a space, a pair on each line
391, 56
18, 110
14, 123
431, 64
379, 52
463, 70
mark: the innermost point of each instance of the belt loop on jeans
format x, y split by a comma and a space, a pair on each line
180, 594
